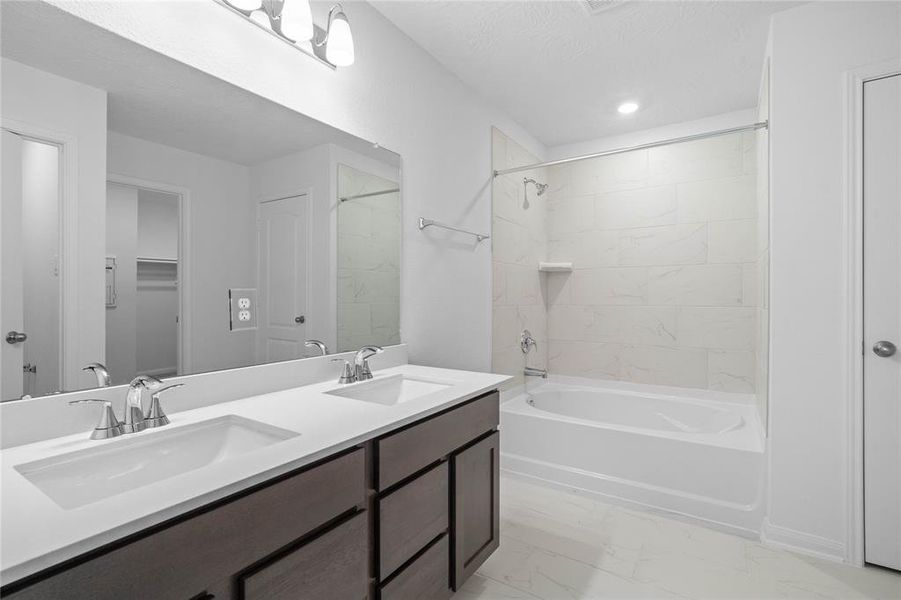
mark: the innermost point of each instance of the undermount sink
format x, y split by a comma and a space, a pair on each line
393, 389
86, 476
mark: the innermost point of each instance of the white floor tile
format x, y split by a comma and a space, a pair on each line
557, 545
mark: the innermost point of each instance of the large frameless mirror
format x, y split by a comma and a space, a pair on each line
160, 221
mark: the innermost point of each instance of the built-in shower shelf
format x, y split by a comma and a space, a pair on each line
555, 267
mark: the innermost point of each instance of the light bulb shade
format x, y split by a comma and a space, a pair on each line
339, 49
246, 4
297, 20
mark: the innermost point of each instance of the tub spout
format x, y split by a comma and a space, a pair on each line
531, 372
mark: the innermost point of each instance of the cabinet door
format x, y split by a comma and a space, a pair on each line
476, 506
333, 565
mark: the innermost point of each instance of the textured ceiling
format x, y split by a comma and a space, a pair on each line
561, 72
155, 98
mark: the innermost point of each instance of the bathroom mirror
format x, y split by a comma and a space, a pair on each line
161, 221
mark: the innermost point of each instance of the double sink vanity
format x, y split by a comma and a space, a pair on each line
386, 488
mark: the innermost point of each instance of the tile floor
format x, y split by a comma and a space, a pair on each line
556, 544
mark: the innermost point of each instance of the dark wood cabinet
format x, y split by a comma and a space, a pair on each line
410, 514
476, 526
333, 565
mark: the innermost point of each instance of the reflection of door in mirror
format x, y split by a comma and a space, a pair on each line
284, 254
368, 259
142, 231
30, 303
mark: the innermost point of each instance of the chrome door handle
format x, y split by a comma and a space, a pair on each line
881, 348
15, 337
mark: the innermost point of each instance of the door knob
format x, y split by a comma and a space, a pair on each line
15, 337
881, 348
300, 319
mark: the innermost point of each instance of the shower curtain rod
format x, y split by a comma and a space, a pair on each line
687, 138
368, 195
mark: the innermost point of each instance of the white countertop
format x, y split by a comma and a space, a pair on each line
36, 533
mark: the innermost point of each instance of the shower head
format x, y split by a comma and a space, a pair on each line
541, 187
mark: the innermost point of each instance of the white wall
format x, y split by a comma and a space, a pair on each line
61, 109
396, 95
812, 48
222, 240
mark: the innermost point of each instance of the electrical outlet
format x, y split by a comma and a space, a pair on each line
242, 314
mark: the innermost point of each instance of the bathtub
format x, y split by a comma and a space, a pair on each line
686, 452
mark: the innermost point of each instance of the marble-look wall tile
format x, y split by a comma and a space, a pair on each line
717, 327
651, 325
710, 158
695, 285
608, 173
586, 249
717, 199
570, 215
730, 371
666, 245
584, 359
750, 279
510, 242
684, 367
617, 285
643, 207
732, 241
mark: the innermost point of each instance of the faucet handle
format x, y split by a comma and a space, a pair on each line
108, 426
347, 373
155, 417
146, 381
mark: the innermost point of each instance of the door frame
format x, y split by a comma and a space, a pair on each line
307, 193
854, 301
185, 356
69, 369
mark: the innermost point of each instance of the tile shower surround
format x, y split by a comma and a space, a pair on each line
665, 244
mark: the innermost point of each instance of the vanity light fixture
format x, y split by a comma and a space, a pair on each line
292, 21
627, 108
337, 38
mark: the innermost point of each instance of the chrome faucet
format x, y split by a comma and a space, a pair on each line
533, 372
155, 417
527, 342
100, 371
361, 362
133, 420
323, 349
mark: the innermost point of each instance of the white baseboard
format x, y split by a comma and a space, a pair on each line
803, 543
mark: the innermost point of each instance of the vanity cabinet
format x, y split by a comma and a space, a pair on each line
408, 515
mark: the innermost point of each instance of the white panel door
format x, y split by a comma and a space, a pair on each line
882, 321
12, 316
282, 227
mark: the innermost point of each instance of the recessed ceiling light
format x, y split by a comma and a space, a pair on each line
627, 108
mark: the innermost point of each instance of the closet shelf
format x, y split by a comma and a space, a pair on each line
555, 267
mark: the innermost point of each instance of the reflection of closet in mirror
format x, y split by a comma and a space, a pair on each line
31, 266
368, 259
142, 228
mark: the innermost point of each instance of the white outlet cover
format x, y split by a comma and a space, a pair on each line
241, 316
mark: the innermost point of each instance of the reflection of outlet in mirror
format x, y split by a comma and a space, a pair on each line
242, 309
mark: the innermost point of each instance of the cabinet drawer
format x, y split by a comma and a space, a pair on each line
411, 517
426, 577
403, 453
334, 565
183, 559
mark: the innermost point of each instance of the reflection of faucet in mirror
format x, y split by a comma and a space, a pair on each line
100, 371
323, 349
133, 420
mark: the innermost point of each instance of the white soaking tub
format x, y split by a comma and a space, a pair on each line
688, 452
